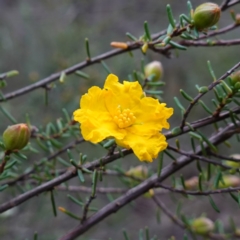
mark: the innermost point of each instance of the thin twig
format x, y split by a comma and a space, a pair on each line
131, 46
198, 193
200, 95
164, 208
71, 172
233, 159
86, 207
39, 163
197, 124
227, 3
102, 190
195, 156
141, 188
213, 43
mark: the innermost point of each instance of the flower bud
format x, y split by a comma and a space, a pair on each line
16, 137
233, 165
149, 194
229, 181
121, 45
191, 183
202, 225
237, 18
235, 77
140, 172
237, 232
206, 15
153, 71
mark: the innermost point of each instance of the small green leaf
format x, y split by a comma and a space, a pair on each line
82, 74
177, 45
87, 48
203, 89
186, 96
211, 71
80, 176
213, 204
125, 235
179, 104
175, 131
147, 32
131, 36
53, 203
160, 164
170, 16
75, 200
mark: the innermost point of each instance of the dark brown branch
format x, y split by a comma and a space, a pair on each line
58, 180
201, 158
213, 43
203, 36
197, 124
178, 222
40, 163
42, 83
161, 205
227, 4
135, 192
224, 157
199, 193
131, 46
102, 190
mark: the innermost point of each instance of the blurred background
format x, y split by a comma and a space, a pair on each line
39, 38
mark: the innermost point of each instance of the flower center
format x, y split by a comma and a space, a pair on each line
124, 117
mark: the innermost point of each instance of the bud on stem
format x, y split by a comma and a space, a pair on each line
206, 15
16, 137
202, 226
153, 71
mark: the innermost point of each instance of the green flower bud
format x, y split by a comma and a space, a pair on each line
233, 165
237, 232
237, 18
16, 137
153, 71
206, 15
229, 181
149, 194
202, 226
140, 172
235, 77
191, 183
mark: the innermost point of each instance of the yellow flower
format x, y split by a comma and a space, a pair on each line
123, 112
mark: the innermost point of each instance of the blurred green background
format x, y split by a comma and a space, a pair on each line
39, 38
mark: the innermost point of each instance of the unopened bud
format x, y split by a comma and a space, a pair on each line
149, 194
121, 45
191, 183
237, 232
144, 47
233, 165
235, 77
202, 226
206, 15
153, 71
140, 172
16, 137
229, 181
237, 17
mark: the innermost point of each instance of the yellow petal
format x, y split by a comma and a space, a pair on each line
96, 122
146, 148
151, 116
126, 95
